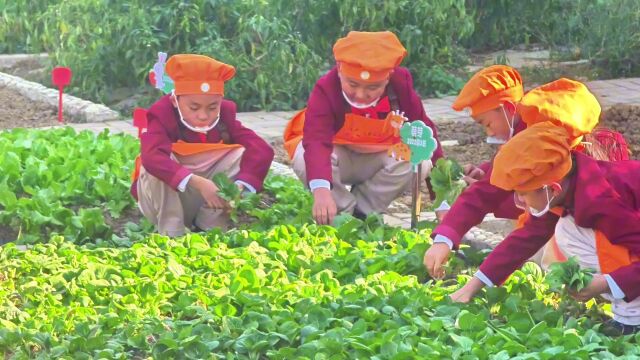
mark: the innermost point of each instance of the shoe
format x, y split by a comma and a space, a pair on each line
615, 328
359, 214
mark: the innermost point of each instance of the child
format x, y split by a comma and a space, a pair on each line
193, 134
343, 136
598, 203
495, 87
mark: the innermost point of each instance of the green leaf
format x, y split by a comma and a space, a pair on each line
447, 181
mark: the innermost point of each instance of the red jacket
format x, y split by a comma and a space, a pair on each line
603, 196
164, 128
325, 116
475, 202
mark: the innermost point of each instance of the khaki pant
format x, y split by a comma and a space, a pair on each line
375, 178
580, 242
171, 211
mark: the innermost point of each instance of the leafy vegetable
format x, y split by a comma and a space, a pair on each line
62, 182
446, 181
240, 202
569, 274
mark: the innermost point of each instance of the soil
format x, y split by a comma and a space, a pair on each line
18, 111
626, 120
118, 225
33, 69
7, 234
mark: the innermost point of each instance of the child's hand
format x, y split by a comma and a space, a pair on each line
435, 258
324, 206
472, 174
597, 286
466, 293
209, 192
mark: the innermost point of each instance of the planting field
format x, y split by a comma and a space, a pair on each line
278, 287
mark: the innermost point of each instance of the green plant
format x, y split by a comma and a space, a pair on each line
447, 181
569, 274
63, 182
240, 203
291, 292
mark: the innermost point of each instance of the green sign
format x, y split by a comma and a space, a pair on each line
419, 138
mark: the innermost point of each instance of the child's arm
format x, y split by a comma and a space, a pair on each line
257, 157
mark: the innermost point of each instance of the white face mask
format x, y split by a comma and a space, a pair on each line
537, 213
198, 129
359, 105
493, 140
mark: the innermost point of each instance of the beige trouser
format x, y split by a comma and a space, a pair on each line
173, 211
375, 178
580, 242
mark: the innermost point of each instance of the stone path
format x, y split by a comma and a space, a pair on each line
270, 125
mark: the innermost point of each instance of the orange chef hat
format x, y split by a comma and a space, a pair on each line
368, 56
198, 74
537, 156
564, 102
489, 88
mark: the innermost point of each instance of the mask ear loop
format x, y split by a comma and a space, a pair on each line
203, 130
511, 123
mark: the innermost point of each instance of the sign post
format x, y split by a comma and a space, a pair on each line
419, 138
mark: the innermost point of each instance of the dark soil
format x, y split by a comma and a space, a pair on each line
626, 120
18, 111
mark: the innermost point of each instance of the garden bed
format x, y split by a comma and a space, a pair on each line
19, 111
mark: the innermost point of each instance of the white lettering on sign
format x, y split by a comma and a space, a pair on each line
416, 132
417, 142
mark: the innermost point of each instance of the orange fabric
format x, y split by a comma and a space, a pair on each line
565, 103
558, 256
357, 130
368, 56
400, 152
612, 257
198, 74
293, 132
535, 157
489, 88
185, 149
136, 169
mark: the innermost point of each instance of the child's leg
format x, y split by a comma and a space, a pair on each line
160, 204
345, 201
207, 165
376, 193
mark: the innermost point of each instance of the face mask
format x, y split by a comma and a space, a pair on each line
358, 105
495, 140
498, 141
198, 129
537, 213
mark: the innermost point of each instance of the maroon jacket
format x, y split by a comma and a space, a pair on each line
475, 202
325, 116
603, 196
164, 128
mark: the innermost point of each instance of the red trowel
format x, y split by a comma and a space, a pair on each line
61, 77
